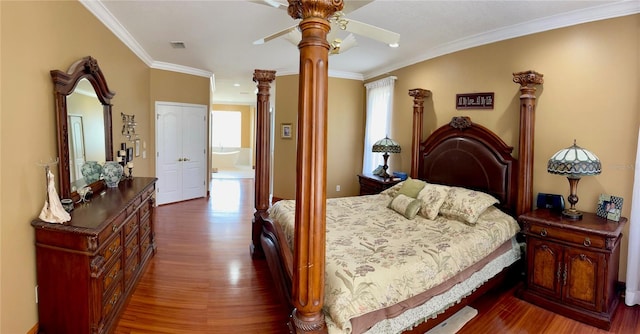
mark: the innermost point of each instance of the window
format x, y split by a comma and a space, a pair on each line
379, 105
226, 128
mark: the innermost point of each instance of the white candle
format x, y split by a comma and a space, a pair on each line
130, 165
122, 153
119, 159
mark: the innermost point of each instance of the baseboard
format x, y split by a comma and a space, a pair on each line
34, 329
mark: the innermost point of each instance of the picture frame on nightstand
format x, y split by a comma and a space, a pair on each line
609, 207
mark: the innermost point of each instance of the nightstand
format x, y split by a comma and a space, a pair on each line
572, 265
372, 184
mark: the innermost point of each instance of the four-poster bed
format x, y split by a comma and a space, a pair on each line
461, 154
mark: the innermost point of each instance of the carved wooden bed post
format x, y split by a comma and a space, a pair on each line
263, 161
310, 214
418, 107
527, 80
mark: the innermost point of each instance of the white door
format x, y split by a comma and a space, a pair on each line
76, 141
180, 156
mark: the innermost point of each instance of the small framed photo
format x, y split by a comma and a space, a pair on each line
129, 154
136, 147
609, 207
285, 131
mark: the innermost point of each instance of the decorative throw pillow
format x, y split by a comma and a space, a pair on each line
405, 205
393, 190
431, 197
466, 205
411, 187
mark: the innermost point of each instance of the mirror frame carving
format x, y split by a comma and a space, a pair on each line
64, 84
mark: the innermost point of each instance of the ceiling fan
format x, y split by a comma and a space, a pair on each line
338, 21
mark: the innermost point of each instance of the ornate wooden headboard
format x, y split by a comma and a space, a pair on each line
469, 155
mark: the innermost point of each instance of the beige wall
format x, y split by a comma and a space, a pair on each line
592, 79
36, 38
344, 136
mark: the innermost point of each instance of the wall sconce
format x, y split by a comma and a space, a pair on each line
129, 126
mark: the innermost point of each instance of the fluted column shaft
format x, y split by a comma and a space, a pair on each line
418, 108
527, 80
310, 215
263, 160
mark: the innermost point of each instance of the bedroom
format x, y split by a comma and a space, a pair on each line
35, 42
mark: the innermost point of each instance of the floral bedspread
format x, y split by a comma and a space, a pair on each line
375, 257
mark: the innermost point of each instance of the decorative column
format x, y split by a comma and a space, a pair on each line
418, 107
527, 80
263, 161
310, 215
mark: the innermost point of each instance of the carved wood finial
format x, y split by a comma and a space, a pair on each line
460, 122
91, 65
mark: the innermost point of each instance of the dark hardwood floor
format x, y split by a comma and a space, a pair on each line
203, 280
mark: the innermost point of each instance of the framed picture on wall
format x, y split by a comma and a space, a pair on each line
285, 131
609, 207
136, 147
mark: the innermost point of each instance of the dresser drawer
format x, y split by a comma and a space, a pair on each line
111, 301
132, 246
112, 248
132, 268
148, 192
145, 225
111, 229
573, 237
112, 275
130, 225
144, 209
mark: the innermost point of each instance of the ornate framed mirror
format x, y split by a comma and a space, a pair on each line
83, 115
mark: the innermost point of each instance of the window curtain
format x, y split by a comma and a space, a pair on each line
632, 294
379, 105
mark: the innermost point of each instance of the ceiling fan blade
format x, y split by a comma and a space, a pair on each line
350, 6
271, 3
348, 42
373, 32
276, 35
294, 36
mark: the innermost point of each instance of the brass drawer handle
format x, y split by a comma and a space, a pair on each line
543, 232
114, 227
587, 242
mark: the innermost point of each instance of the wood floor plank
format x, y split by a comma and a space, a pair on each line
203, 280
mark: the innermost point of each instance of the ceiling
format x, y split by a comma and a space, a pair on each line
219, 35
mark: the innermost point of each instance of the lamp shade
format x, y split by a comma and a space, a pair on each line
386, 145
574, 161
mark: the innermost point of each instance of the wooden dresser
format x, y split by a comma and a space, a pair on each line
372, 184
88, 267
572, 265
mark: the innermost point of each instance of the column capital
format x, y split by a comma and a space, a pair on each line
263, 75
303, 9
528, 78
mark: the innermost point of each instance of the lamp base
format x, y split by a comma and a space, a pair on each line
572, 214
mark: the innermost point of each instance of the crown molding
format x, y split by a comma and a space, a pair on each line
110, 21
603, 12
159, 65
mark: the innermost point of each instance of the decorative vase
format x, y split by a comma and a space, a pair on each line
91, 171
112, 172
